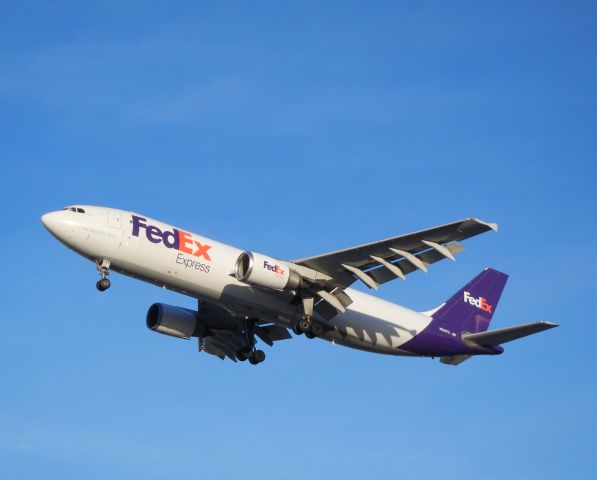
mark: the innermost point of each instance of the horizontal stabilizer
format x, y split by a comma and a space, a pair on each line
454, 359
503, 335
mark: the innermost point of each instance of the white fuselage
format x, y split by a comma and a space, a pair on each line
204, 269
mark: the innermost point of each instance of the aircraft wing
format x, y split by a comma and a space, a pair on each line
379, 262
223, 344
226, 332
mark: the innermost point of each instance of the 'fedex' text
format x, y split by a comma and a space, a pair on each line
277, 269
176, 239
480, 302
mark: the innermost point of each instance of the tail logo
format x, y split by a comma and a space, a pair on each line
480, 302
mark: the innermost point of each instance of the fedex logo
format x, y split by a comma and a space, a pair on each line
480, 302
277, 269
175, 239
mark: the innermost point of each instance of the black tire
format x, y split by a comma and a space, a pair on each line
253, 361
243, 354
316, 329
297, 329
259, 356
104, 283
98, 285
309, 335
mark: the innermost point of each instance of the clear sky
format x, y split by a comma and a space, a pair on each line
295, 128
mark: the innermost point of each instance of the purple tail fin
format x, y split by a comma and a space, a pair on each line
472, 307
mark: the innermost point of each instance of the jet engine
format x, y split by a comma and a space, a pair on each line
262, 271
174, 321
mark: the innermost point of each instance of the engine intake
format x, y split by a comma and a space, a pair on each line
174, 321
257, 269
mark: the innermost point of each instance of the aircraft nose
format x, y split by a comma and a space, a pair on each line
49, 220
54, 224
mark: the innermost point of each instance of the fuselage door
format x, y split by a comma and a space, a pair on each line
115, 218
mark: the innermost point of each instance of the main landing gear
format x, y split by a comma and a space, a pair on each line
249, 352
104, 269
311, 328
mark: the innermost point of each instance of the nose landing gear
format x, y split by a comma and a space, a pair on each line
104, 269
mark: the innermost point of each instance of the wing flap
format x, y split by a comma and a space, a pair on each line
226, 332
210, 348
271, 333
382, 275
221, 345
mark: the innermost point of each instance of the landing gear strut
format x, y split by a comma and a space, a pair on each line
104, 269
311, 328
249, 352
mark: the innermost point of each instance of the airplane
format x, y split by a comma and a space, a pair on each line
243, 295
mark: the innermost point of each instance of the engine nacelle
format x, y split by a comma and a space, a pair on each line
257, 269
174, 321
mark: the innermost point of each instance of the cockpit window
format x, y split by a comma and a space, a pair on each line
74, 209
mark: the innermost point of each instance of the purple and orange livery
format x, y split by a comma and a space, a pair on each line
243, 294
469, 310
177, 239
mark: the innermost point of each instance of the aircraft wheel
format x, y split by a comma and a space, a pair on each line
243, 354
103, 284
259, 356
309, 335
316, 329
297, 329
253, 361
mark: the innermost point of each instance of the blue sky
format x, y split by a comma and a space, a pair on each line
295, 128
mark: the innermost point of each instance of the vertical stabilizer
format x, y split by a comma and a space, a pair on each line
472, 307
